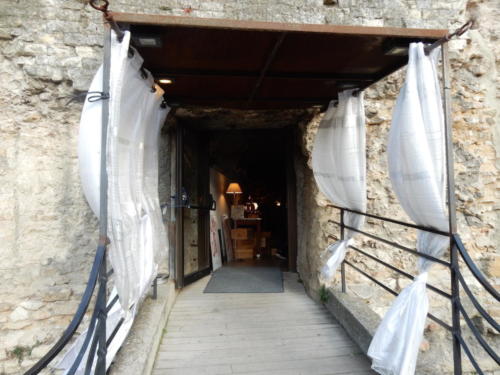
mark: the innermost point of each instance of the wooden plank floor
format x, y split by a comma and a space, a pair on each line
267, 333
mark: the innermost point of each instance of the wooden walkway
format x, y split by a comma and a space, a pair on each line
267, 333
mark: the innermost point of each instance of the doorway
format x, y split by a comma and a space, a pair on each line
262, 66
193, 204
254, 228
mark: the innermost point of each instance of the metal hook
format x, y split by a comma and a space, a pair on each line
108, 17
97, 95
102, 8
93, 96
131, 52
458, 32
462, 29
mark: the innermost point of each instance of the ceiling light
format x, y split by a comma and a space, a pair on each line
348, 85
165, 81
397, 51
147, 41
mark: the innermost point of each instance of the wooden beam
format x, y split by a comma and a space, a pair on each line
212, 23
159, 73
221, 101
266, 66
233, 99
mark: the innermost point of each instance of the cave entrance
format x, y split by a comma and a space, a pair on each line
214, 64
254, 225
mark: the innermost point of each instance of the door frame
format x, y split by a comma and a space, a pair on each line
179, 222
182, 280
291, 198
291, 192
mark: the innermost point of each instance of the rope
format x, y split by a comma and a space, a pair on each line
102, 6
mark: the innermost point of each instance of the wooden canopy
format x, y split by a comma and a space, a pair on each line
263, 65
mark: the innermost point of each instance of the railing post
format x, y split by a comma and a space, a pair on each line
103, 203
455, 287
342, 266
155, 288
102, 316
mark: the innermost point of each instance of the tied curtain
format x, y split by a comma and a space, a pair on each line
135, 225
339, 167
416, 152
138, 239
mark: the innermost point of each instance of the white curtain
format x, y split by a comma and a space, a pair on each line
339, 166
137, 234
416, 151
134, 211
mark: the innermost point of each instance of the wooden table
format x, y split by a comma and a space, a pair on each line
254, 223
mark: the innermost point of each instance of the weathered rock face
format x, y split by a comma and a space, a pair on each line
50, 50
474, 62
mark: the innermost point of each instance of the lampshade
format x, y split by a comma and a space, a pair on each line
234, 188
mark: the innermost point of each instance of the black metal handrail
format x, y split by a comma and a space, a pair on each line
393, 292
469, 354
478, 335
457, 246
86, 341
77, 318
473, 268
96, 330
394, 221
477, 305
401, 272
394, 244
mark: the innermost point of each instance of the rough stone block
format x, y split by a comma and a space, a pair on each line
32, 305
19, 314
56, 294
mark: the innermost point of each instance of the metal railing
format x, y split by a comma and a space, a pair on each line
97, 326
456, 249
96, 335
96, 332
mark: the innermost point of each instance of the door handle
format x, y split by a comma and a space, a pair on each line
213, 203
210, 207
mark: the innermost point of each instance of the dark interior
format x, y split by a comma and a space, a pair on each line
256, 159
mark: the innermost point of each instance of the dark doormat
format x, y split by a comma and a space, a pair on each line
241, 279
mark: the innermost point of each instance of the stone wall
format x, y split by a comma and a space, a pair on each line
475, 63
49, 51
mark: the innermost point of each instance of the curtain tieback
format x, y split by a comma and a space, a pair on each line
421, 278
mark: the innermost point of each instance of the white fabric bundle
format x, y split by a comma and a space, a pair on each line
135, 227
416, 151
339, 166
136, 230
89, 145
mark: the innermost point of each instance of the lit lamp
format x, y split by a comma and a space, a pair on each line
235, 189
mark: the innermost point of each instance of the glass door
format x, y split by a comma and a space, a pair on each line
196, 204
